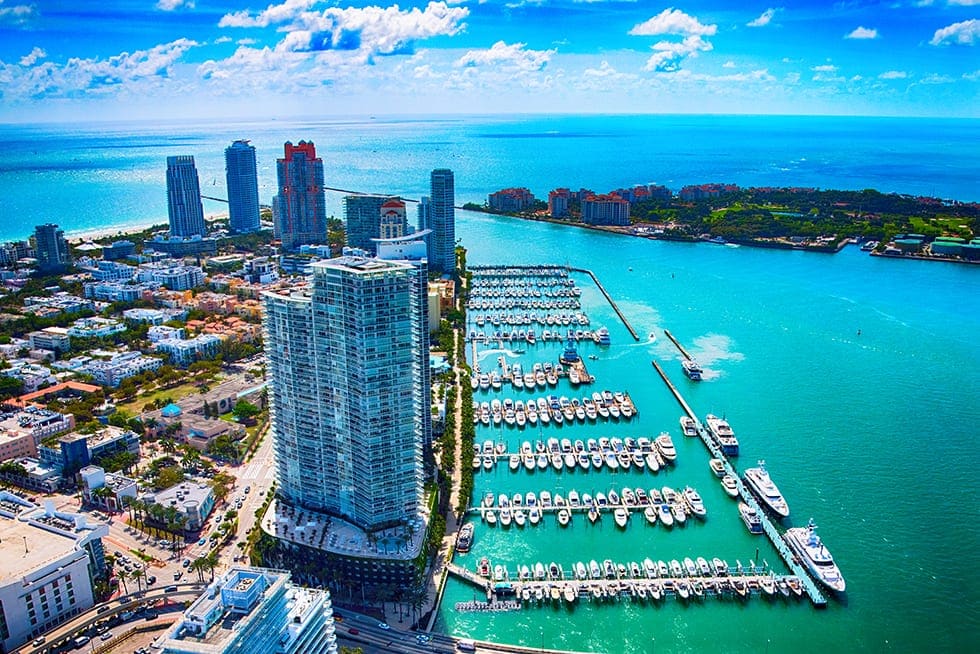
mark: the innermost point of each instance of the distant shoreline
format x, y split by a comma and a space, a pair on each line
122, 231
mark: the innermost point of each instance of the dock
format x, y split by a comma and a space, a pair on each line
470, 577
678, 345
768, 527
609, 299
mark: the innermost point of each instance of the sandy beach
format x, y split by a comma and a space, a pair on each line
121, 231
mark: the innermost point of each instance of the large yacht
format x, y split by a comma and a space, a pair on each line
722, 432
760, 483
465, 538
808, 546
692, 369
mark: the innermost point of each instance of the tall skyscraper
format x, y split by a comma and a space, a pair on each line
184, 198
243, 188
345, 400
51, 249
370, 217
442, 221
300, 208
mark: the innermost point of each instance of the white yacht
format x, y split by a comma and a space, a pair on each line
811, 550
760, 483
722, 433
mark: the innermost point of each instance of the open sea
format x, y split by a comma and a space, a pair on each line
871, 434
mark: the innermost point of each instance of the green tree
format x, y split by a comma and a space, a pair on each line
244, 411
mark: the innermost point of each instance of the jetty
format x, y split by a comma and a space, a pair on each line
678, 345
469, 577
609, 299
768, 527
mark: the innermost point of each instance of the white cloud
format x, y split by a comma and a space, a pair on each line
513, 56
606, 72
762, 20
761, 75
862, 33
893, 74
962, 33
935, 78
668, 55
88, 77
271, 15
973, 77
33, 56
246, 41
673, 21
964, 3
17, 14
222, 39
824, 68
728, 64
826, 73
170, 5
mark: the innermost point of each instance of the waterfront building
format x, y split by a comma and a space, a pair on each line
299, 210
605, 210
49, 562
194, 501
345, 401
558, 202
51, 249
511, 200
255, 611
118, 250
442, 221
243, 188
184, 198
412, 250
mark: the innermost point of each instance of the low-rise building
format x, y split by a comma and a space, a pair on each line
173, 277
182, 247
58, 303
107, 271
159, 333
192, 499
119, 367
149, 316
255, 611
70, 453
183, 352
118, 250
215, 303
121, 490
55, 339
128, 291
95, 327
21, 431
31, 375
49, 561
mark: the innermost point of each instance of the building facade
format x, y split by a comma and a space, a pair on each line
184, 197
51, 249
605, 210
299, 209
442, 221
511, 200
243, 188
255, 611
342, 365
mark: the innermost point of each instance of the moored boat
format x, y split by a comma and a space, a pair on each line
717, 467
621, 516
812, 552
465, 539
751, 518
758, 480
688, 426
730, 484
722, 433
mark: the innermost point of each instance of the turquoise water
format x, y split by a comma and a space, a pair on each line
868, 434
93, 176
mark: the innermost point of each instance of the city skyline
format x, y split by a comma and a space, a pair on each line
234, 58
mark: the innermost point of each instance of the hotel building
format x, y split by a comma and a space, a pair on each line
243, 188
299, 210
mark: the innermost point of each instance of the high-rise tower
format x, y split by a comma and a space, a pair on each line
184, 198
300, 208
51, 249
442, 221
345, 400
243, 188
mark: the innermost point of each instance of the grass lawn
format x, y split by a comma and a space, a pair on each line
175, 393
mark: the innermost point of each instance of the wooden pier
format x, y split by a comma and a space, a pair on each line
768, 527
609, 299
471, 577
678, 345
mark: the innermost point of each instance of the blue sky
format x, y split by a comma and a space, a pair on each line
146, 59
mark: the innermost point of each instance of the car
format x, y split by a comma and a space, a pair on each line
383, 625
202, 541
353, 631
248, 489
39, 641
106, 636
423, 638
185, 562
178, 575
151, 580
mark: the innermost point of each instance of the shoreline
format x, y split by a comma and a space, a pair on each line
122, 231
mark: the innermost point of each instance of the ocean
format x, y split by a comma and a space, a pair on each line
869, 433
96, 176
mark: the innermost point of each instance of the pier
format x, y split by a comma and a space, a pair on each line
768, 527
678, 345
609, 299
470, 577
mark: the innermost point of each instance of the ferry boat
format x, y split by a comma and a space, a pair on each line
751, 518
688, 426
465, 538
692, 369
723, 434
812, 552
759, 481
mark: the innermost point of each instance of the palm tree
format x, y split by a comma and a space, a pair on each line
197, 565
122, 575
211, 562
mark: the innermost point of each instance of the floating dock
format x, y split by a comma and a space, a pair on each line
768, 527
609, 299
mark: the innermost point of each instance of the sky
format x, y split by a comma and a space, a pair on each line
80, 60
